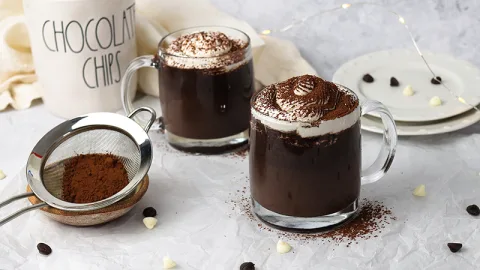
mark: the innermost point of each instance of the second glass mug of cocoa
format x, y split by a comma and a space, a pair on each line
205, 100
304, 178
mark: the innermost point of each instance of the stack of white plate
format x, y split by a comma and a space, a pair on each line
413, 114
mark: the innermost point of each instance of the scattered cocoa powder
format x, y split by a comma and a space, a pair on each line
93, 177
242, 152
372, 218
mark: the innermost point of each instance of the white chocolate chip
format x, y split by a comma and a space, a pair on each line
408, 91
283, 247
168, 263
2, 175
150, 222
420, 191
435, 101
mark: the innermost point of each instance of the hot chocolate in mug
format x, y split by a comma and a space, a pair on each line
305, 153
206, 81
81, 50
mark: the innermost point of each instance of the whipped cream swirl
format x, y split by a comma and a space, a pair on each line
306, 102
306, 98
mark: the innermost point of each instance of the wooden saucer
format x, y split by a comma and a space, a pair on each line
94, 217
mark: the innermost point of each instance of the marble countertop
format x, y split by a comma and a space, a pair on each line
447, 164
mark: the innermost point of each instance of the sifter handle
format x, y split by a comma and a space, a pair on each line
17, 197
21, 211
150, 122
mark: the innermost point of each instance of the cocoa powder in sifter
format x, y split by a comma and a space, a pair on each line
93, 177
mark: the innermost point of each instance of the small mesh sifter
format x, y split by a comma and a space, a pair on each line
96, 133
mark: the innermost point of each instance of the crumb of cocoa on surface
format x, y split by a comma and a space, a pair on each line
242, 152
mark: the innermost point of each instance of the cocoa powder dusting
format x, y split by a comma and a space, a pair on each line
93, 177
320, 96
203, 42
305, 96
225, 51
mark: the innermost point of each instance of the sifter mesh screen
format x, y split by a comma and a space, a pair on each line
93, 141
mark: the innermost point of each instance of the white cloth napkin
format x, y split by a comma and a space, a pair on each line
274, 59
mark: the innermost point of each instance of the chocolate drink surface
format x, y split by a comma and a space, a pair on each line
207, 97
305, 162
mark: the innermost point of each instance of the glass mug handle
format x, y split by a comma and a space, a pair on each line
137, 63
384, 159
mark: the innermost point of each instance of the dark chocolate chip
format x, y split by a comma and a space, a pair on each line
44, 249
368, 78
454, 247
437, 80
394, 82
247, 266
149, 212
473, 210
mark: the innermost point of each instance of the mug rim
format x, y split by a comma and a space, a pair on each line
163, 52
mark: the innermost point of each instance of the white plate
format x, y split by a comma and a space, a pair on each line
464, 120
408, 68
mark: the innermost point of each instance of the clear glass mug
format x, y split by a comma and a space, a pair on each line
311, 183
205, 109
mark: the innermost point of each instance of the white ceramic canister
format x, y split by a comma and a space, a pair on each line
81, 49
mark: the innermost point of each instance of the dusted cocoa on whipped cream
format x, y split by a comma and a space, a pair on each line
306, 104
305, 148
205, 50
